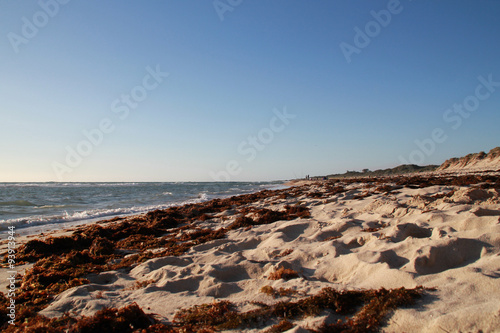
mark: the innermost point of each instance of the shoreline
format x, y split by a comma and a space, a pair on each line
345, 234
75, 204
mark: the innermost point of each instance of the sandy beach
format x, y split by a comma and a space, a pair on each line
250, 166
438, 237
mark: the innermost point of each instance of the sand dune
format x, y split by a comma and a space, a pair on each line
473, 162
439, 236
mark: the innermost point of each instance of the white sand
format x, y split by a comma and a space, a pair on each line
452, 244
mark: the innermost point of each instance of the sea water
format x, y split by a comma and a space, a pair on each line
37, 207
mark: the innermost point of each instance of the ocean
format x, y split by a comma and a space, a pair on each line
39, 207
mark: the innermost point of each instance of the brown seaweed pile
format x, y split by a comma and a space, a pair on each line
367, 309
284, 273
128, 319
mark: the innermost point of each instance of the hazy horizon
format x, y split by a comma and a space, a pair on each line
242, 90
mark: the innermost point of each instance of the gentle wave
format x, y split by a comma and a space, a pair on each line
92, 214
52, 206
52, 184
56, 204
22, 203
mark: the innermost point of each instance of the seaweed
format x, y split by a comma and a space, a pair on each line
284, 253
4, 302
101, 246
331, 238
362, 195
368, 308
268, 290
375, 229
421, 181
130, 318
297, 211
126, 319
142, 284
283, 273
206, 315
385, 188
333, 190
377, 306
282, 326
267, 216
241, 222
36, 249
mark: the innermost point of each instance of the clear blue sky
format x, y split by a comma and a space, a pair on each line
68, 68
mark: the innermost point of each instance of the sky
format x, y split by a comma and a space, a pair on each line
240, 90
